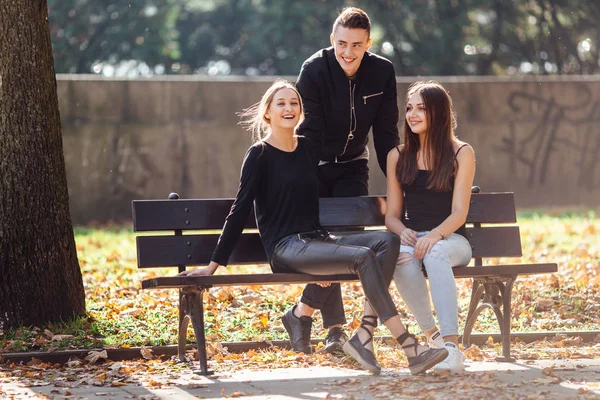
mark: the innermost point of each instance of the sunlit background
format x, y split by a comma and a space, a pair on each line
273, 37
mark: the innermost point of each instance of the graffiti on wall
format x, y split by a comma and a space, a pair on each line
560, 128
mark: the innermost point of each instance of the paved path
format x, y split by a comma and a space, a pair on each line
563, 379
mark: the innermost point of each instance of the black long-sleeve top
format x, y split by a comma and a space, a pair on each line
334, 105
283, 186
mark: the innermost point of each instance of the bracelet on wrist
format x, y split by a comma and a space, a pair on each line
440, 232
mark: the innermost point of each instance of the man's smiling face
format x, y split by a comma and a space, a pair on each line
350, 45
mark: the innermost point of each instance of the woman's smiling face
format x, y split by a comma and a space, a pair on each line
416, 114
285, 109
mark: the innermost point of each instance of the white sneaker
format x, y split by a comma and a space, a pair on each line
455, 362
435, 341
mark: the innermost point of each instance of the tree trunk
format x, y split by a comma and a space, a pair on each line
40, 279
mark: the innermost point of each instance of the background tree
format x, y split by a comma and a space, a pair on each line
273, 37
135, 35
267, 37
41, 280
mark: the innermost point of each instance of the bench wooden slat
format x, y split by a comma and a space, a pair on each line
163, 251
282, 279
197, 214
210, 214
497, 241
492, 208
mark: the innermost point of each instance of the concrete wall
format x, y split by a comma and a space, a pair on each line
142, 139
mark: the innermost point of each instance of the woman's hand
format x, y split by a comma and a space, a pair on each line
425, 243
324, 284
202, 271
408, 237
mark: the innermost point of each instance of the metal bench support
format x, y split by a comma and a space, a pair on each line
192, 308
495, 294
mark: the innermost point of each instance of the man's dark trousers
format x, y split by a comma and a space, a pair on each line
349, 179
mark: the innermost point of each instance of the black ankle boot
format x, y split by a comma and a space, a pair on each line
335, 339
298, 330
421, 362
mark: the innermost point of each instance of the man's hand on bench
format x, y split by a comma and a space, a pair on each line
202, 271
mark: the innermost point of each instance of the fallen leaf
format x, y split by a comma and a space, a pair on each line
146, 353
94, 356
61, 337
73, 363
264, 319
34, 361
544, 304
545, 381
115, 366
193, 385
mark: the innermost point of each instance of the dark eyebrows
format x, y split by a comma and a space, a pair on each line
344, 42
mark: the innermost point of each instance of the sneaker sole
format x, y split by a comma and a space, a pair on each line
351, 351
288, 329
419, 369
334, 348
447, 370
453, 371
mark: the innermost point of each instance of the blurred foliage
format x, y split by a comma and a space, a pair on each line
135, 34
273, 37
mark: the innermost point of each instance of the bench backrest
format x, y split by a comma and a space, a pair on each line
205, 217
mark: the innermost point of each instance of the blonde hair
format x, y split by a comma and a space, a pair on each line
253, 117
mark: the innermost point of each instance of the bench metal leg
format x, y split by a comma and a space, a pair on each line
184, 320
496, 295
505, 322
194, 310
476, 297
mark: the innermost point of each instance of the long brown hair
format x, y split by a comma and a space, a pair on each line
438, 149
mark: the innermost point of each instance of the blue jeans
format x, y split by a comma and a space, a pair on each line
451, 252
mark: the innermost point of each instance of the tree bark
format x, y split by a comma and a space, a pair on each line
40, 279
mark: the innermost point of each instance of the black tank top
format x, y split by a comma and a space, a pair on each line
424, 208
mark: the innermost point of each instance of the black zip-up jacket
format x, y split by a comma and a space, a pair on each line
326, 91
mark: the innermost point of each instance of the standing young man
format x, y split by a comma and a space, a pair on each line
346, 91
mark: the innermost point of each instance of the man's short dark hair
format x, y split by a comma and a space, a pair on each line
353, 18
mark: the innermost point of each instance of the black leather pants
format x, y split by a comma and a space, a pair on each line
371, 255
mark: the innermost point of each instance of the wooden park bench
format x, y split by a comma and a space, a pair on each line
492, 285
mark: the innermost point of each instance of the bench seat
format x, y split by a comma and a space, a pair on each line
178, 282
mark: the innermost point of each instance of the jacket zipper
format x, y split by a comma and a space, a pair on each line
371, 95
352, 119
